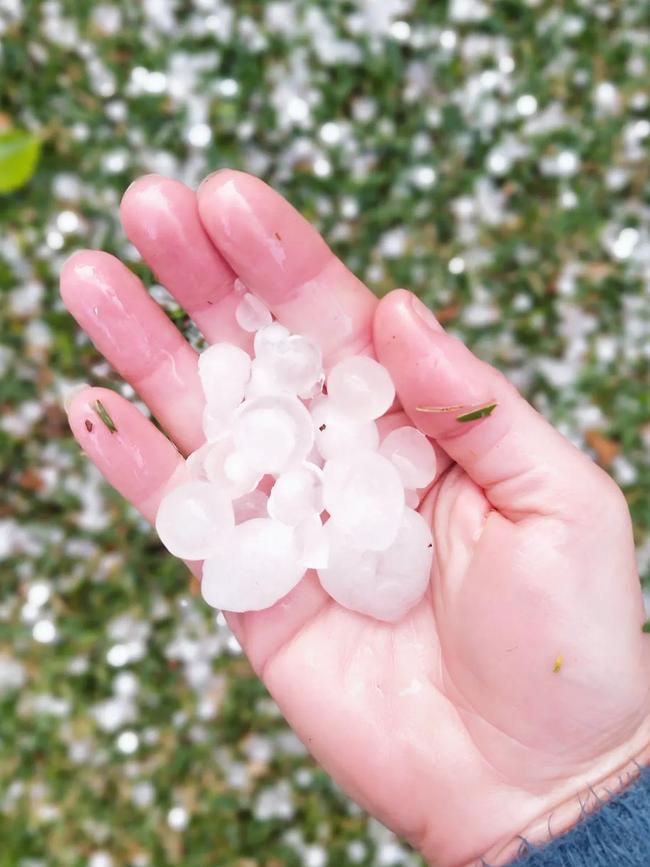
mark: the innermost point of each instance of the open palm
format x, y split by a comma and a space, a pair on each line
522, 678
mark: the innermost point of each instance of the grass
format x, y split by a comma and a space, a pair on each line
516, 239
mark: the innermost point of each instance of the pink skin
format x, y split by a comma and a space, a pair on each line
281, 258
161, 218
451, 726
128, 327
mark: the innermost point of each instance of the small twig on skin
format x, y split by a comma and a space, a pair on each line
102, 412
470, 413
439, 408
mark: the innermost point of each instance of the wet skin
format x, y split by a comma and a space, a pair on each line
522, 681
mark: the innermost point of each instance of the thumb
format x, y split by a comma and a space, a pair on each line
524, 465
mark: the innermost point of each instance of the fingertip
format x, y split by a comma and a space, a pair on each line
391, 310
72, 267
146, 198
214, 182
82, 409
224, 196
241, 211
141, 185
132, 454
395, 297
84, 268
402, 311
267, 242
398, 340
69, 394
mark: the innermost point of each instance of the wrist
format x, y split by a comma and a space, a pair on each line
576, 798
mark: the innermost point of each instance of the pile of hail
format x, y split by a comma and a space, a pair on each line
294, 476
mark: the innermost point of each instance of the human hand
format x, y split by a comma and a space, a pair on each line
522, 678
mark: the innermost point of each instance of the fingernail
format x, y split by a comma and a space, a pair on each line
69, 392
139, 179
423, 313
209, 178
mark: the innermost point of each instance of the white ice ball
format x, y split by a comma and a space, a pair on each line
215, 426
364, 492
337, 434
297, 494
286, 363
360, 388
266, 338
312, 543
384, 585
224, 370
195, 462
228, 469
254, 568
273, 432
252, 314
412, 454
296, 364
240, 475
262, 382
194, 519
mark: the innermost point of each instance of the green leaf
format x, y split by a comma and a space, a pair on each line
646, 626
479, 412
19, 153
102, 412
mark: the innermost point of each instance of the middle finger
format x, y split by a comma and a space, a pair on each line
283, 259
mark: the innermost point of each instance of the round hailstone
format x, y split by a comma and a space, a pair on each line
251, 505
360, 388
224, 466
314, 457
350, 574
383, 585
215, 427
252, 314
266, 338
240, 475
296, 365
315, 389
224, 370
195, 462
312, 544
273, 432
254, 567
287, 363
364, 492
194, 519
214, 458
337, 434
412, 454
297, 494
262, 381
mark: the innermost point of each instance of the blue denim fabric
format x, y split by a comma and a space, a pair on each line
615, 835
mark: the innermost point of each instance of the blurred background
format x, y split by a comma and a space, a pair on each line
491, 156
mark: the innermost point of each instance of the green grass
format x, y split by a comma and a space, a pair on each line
545, 294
